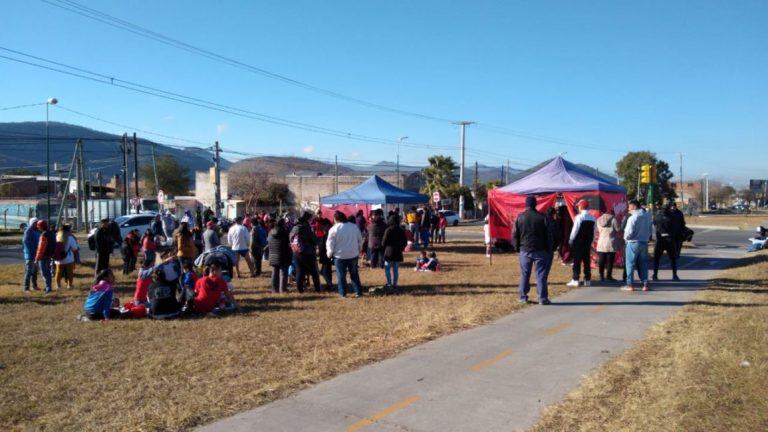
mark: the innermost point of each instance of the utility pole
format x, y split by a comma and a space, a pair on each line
682, 201
69, 178
399, 141
124, 148
83, 188
336, 174
99, 182
462, 127
639, 169
507, 171
217, 179
136, 168
154, 170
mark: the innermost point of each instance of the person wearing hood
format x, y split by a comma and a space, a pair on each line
30, 241
375, 235
608, 242
393, 244
104, 246
169, 225
580, 240
533, 239
45, 250
304, 246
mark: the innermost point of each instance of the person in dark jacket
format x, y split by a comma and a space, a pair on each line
375, 234
45, 250
258, 243
326, 264
280, 256
667, 236
678, 219
104, 246
393, 243
581, 239
535, 242
306, 259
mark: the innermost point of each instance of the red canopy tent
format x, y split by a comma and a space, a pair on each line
556, 178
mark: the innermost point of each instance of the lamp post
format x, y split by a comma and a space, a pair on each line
49, 102
399, 141
706, 191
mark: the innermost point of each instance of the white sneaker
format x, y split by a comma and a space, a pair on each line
587, 283
572, 283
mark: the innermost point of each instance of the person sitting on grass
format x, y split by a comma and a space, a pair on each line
162, 292
212, 295
98, 304
427, 263
188, 281
143, 282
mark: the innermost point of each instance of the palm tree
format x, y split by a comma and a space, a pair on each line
440, 174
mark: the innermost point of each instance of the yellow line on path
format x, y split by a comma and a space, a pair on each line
381, 414
557, 329
485, 363
597, 308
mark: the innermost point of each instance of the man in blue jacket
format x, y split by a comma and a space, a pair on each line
30, 241
637, 234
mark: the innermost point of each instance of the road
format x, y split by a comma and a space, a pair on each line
500, 376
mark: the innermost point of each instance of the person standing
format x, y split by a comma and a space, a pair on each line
325, 262
45, 250
258, 242
344, 245
442, 225
375, 235
238, 237
279, 255
533, 238
66, 247
210, 236
30, 241
197, 236
678, 225
412, 219
607, 244
393, 243
582, 236
667, 236
185, 244
636, 234
304, 247
169, 225
104, 246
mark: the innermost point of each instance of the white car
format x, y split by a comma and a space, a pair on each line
451, 216
141, 222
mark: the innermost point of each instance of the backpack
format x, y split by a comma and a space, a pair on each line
60, 251
296, 245
92, 242
50, 248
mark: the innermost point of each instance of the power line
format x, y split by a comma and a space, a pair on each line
22, 106
110, 20
139, 88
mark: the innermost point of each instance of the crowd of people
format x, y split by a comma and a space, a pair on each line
539, 236
184, 263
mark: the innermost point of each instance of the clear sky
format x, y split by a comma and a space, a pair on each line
665, 76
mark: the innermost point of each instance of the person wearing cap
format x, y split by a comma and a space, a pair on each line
104, 246
581, 239
535, 243
210, 236
637, 234
45, 250
30, 241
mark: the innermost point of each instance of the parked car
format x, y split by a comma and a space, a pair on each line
451, 216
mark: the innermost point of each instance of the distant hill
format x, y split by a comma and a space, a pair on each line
287, 165
22, 145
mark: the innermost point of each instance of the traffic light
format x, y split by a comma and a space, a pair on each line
654, 175
646, 174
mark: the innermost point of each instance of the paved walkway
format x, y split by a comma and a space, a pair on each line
496, 377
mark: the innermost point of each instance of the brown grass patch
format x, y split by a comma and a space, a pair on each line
58, 373
745, 221
687, 374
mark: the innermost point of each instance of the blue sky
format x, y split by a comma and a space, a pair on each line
666, 76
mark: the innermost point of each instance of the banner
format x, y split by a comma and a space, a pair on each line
600, 203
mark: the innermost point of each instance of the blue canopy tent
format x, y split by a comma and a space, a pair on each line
375, 190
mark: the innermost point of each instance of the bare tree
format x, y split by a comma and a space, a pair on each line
248, 185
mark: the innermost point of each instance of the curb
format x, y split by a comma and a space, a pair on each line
715, 227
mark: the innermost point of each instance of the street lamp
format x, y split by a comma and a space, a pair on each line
50, 101
706, 191
399, 141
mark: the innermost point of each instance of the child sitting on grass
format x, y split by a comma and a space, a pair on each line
424, 263
212, 294
143, 281
188, 280
99, 303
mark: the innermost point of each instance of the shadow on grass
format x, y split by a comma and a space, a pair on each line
44, 301
248, 306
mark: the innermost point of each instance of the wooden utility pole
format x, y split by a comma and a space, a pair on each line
69, 178
81, 190
336, 175
154, 169
217, 179
136, 168
124, 148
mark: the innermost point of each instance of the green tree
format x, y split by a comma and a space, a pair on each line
439, 175
628, 170
22, 171
173, 178
454, 191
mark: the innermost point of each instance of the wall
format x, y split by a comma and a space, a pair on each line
306, 190
204, 187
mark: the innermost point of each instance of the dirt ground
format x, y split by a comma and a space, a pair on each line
57, 373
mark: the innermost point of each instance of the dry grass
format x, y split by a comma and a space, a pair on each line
687, 374
745, 221
61, 374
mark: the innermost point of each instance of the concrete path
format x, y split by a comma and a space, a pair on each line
497, 377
